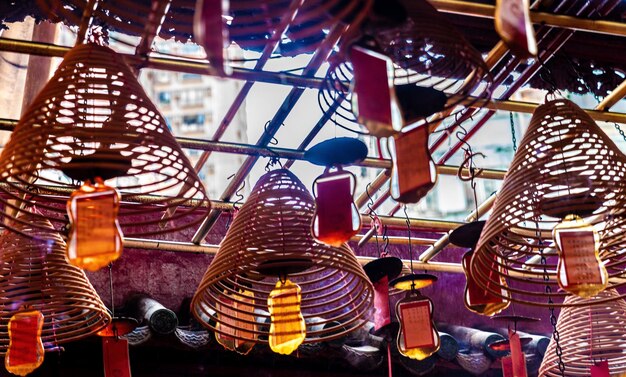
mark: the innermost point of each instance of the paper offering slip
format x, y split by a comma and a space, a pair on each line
579, 259
518, 359
334, 204
413, 159
116, 357
600, 369
95, 214
24, 340
417, 324
226, 324
371, 75
382, 317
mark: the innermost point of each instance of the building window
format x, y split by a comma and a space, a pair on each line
165, 98
191, 77
192, 122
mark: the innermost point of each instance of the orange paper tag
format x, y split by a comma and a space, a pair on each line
578, 257
95, 219
116, 358
417, 324
381, 303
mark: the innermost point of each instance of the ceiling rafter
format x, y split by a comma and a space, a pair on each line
273, 126
467, 8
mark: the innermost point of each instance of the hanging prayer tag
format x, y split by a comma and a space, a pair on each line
381, 303
413, 172
211, 30
518, 359
513, 24
116, 357
417, 338
25, 352
373, 95
336, 217
580, 270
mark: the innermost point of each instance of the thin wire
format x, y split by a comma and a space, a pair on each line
408, 226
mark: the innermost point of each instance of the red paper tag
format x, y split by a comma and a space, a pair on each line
413, 172
475, 294
333, 199
226, 323
416, 324
116, 358
211, 30
25, 341
382, 317
518, 359
373, 90
600, 369
514, 27
578, 257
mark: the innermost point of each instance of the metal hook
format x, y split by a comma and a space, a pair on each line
468, 163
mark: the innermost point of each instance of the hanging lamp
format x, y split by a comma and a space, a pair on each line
93, 126
270, 281
591, 335
35, 277
559, 215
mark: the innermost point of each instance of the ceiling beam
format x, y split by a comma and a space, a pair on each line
169, 64
562, 21
320, 56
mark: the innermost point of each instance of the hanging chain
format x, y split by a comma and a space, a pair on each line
619, 129
555, 332
513, 139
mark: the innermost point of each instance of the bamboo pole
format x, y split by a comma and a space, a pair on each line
562, 21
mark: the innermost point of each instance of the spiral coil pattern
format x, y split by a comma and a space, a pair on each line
589, 333
94, 118
273, 227
35, 273
564, 165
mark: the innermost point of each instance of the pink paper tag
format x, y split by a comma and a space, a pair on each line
600, 369
381, 303
416, 322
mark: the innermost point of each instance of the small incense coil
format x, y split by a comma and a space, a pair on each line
589, 333
93, 118
34, 273
269, 237
427, 51
565, 165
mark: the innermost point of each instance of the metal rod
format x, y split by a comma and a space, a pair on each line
294, 95
441, 243
598, 114
467, 8
188, 247
169, 64
614, 97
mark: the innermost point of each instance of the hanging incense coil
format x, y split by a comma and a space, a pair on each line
565, 165
589, 333
94, 119
251, 23
428, 52
271, 237
35, 273
126, 17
